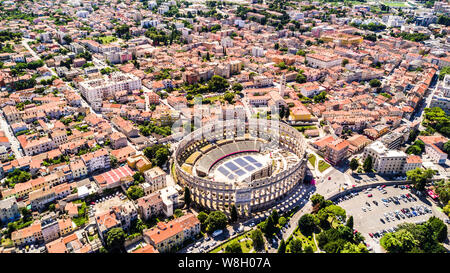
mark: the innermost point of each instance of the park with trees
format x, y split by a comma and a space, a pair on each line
417, 238
326, 229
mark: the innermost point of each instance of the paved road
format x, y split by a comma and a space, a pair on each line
426, 103
15, 145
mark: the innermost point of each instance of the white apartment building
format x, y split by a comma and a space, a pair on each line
435, 154
156, 178
97, 160
412, 162
169, 196
9, 211
152, 4
385, 161
163, 9
444, 87
149, 23
393, 21
257, 51
441, 98
95, 90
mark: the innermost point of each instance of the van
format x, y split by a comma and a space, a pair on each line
217, 233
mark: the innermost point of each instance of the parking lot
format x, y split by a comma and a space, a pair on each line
379, 210
105, 203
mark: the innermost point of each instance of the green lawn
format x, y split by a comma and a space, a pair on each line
323, 165
107, 39
312, 160
302, 128
305, 240
395, 4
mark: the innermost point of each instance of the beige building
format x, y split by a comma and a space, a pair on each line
78, 169
59, 137
385, 161
150, 205
156, 178
11, 113
165, 237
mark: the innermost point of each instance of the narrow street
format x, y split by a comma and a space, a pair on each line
15, 145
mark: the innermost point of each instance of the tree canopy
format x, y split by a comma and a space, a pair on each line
420, 177
216, 220
115, 238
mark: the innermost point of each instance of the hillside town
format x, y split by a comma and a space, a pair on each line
97, 98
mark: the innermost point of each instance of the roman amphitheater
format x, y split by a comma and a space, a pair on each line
252, 164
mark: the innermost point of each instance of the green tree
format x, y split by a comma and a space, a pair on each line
321, 97
282, 246
282, 221
443, 190
268, 226
307, 223
295, 246
138, 177
375, 83
233, 213
354, 248
439, 228
257, 238
367, 166
229, 97
447, 147
122, 31
26, 214
202, 217
446, 209
187, 197
237, 87
115, 238
354, 164
135, 192
233, 247
444, 71
300, 78
68, 39
317, 199
216, 220
308, 249
350, 222
275, 216
398, 242
218, 84
334, 212
114, 161
161, 156
178, 213
420, 177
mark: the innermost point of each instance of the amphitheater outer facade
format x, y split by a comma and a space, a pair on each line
250, 196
